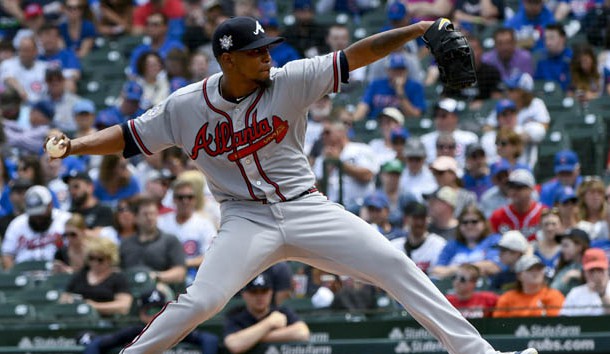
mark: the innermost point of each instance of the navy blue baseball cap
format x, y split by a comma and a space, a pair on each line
240, 33
499, 166
46, 108
504, 105
132, 91
262, 281
565, 161
377, 200
399, 133
566, 194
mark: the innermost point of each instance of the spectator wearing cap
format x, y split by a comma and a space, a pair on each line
390, 120
567, 175
554, 63
545, 245
568, 272
35, 235
57, 56
523, 212
306, 34
507, 57
531, 297
446, 173
470, 302
477, 177
416, 179
529, 22
149, 304
473, 244
260, 320
390, 186
567, 208
446, 120
512, 246
128, 108
16, 197
593, 297
422, 246
356, 162
33, 19
532, 114
154, 24
377, 206
84, 202
441, 208
84, 115
396, 89
283, 52
24, 72
593, 209
62, 99
192, 229
497, 196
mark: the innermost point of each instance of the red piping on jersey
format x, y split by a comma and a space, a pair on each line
226, 115
146, 327
335, 73
138, 139
255, 154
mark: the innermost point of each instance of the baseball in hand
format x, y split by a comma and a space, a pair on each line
56, 147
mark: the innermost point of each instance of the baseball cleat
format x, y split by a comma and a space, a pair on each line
526, 351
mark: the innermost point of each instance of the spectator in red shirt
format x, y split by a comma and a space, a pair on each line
470, 302
172, 9
523, 212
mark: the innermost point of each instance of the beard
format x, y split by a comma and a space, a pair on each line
263, 83
79, 200
40, 223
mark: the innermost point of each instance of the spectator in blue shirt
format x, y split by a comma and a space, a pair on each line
77, 30
129, 107
477, 177
395, 90
567, 175
554, 65
283, 52
156, 30
58, 57
529, 23
115, 181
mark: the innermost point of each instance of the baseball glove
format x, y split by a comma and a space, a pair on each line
453, 55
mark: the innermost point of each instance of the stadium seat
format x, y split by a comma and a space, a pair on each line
31, 266
139, 281
17, 311
35, 295
555, 140
12, 281
300, 305
65, 312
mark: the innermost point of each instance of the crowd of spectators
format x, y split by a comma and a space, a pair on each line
463, 203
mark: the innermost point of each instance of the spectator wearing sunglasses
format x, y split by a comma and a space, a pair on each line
100, 283
192, 229
465, 297
149, 304
567, 208
71, 257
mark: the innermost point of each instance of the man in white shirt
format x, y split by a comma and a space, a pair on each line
593, 297
446, 121
416, 178
38, 233
25, 73
193, 230
356, 162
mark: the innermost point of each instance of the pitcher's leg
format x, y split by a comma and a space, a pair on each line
241, 250
340, 241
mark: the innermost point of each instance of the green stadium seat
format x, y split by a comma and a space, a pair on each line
556, 139
299, 304
31, 266
81, 311
139, 281
35, 295
12, 281
589, 140
17, 311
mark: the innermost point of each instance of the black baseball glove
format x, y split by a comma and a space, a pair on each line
453, 55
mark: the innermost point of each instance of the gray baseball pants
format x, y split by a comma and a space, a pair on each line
313, 230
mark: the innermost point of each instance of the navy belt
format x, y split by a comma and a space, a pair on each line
307, 192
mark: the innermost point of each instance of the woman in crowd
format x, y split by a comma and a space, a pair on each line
567, 209
99, 283
473, 244
568, 272
531, 297
509, 146
546, 246
153, 79
115, 181
78, 31
587, 82
593, 209
70, 258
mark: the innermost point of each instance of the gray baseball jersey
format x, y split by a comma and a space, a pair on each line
252, 151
